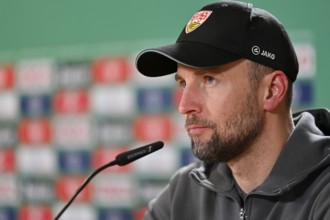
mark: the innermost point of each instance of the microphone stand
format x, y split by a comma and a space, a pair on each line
87, 180
121, 160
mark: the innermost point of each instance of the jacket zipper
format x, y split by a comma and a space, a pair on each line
242, 214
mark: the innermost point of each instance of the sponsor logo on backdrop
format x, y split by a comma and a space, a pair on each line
35, 76
72, 162
7, 160
72, 131
73, 75
66, 186
187, 156
303, 93
35, 105
78, 211
113, 101
116, 214
37, 191
7, 136
6, 77
153, 127
113, 190
306, 54
76, 101
8, 189
33, 212
36, 161
8, 213
35, 131
8, 106
111, 70
116, 132
152, 100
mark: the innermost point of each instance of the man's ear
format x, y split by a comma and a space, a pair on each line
276, 86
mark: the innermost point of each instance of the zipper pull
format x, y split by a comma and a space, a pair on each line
241, 214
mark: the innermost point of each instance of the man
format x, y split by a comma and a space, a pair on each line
236, 65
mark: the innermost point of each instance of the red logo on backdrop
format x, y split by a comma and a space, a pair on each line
66, 186
35, 213
34, 131
6, 77
7, 161
151, 128
103, 156
109, 70
71, 101
139, 213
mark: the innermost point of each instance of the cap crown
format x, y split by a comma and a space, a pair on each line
248, 32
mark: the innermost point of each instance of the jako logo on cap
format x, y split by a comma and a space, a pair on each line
257, 51
197, 20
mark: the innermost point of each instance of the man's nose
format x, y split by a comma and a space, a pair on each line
190, 102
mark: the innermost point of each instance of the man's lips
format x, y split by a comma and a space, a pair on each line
196, 129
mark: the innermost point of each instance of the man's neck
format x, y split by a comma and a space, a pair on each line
252, 168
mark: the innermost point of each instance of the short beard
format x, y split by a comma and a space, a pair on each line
233, 138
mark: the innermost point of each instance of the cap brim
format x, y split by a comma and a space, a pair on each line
163, 60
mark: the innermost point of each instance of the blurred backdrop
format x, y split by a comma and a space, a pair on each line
71, 100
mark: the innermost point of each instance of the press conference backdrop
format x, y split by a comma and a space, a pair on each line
71, 100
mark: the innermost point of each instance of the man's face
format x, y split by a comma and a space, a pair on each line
223, 115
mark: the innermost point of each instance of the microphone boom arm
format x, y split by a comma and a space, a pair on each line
121, 160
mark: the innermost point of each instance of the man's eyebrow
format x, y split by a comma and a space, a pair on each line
177, 77
196, 72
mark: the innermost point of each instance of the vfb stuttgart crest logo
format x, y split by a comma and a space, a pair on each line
197, 20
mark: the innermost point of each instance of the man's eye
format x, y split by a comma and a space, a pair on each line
181, 84
209, 80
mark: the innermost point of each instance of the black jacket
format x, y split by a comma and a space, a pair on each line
297, 188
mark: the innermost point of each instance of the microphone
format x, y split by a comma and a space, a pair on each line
120, 160
132, 155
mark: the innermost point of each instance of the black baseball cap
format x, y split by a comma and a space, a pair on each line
220, 33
